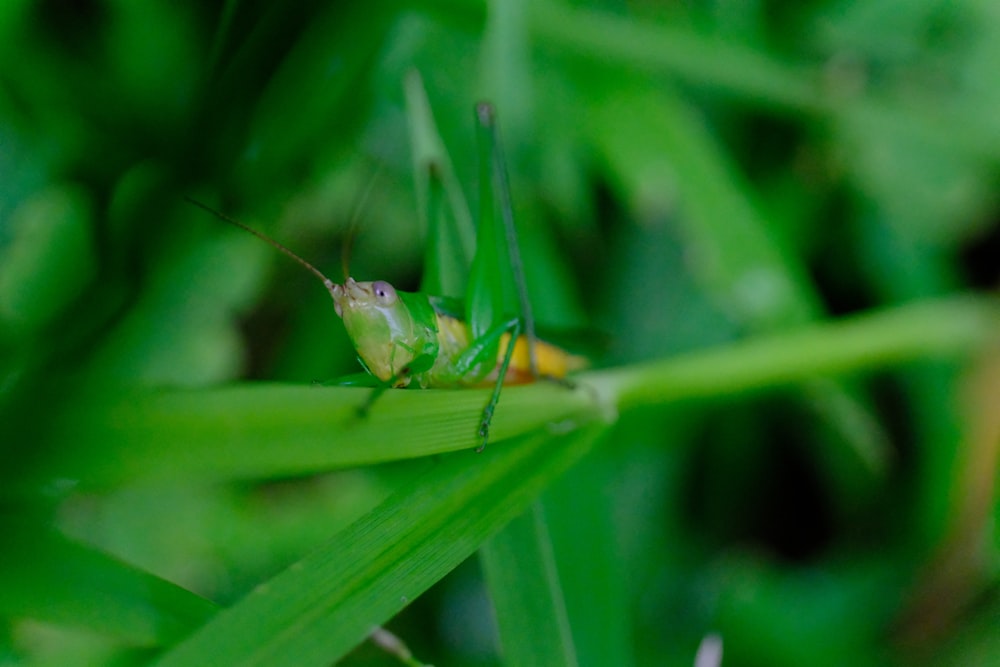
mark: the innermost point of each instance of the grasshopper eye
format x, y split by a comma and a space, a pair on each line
385, 294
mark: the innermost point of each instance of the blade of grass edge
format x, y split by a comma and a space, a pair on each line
265, 430
321, 607
229, 433
720, 218
950, 327
49, 578
523, 581
450, 231
583, 511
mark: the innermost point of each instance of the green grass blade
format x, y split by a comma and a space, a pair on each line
583, 512
506, 63
323, 606
271, 430
746, 72
87, 589
451, 234
744, 268
266, 430
933, 329
351, 36
221, 36
647, 46
524, 584
665, 148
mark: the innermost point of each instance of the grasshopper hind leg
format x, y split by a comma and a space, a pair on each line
484, 425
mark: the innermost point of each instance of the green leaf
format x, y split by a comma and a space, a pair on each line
943, 328
267, 430
451, 234
521, 573
584, 520
49, 578
47, 258
321, 607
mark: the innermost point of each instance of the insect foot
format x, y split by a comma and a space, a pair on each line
484, 427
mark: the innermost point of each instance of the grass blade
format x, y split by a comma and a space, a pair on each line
321, 607
90, 590
944, 328
583, 512
273, 430
521, 573
451, 234
268, 430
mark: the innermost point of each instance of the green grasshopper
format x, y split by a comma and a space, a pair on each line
414, 339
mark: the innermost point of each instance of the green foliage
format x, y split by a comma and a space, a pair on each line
775, 226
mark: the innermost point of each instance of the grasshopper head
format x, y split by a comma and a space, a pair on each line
385, 334
393, 342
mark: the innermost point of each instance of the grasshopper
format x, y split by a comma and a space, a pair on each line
407, 339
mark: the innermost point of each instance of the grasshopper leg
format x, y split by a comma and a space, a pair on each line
484, 426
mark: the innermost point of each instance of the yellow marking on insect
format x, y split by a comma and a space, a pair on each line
553, 361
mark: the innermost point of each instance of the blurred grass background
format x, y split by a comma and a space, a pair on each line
685, 174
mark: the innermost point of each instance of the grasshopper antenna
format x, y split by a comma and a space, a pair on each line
346, 249
355, 222
329, 284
